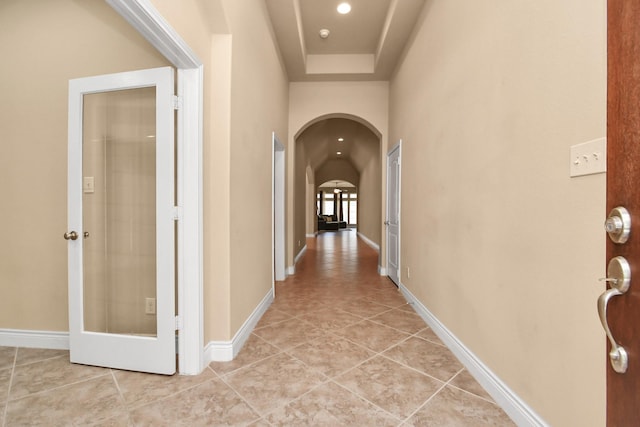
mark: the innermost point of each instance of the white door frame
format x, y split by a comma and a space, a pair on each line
397, 147
152, 26
277, 209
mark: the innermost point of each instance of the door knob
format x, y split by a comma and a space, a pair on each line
70, 235
619, 276
618, 225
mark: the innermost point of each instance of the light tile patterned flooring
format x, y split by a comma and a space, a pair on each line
338, 347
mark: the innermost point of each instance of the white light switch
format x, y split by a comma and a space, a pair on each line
87, 184
589, 157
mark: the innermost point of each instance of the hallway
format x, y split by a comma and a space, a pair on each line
338, 346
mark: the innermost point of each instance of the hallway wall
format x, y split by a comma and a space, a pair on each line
43, 45
504, 248
312, 100
246, 101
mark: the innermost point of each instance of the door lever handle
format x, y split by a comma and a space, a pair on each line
621, 272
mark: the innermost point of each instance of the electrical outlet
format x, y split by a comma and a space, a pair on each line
150, 306
408, 273
299, 243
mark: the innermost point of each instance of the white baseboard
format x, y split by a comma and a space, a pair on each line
369, 242
515, 407
225, 351
312, 235
34, 339
291, 270
382, 271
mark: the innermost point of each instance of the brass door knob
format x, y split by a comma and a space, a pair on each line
70, 235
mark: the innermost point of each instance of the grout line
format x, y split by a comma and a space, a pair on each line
6, 404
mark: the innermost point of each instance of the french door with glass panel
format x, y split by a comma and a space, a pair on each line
121, 209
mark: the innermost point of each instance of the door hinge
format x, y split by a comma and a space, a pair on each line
177, 102
177, 213
178, 323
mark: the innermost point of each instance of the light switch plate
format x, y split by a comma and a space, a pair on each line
88, 184
589, 158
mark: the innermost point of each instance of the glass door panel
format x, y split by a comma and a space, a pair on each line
119, 211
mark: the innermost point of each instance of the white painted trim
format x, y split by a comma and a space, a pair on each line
142, 16
311, 235
291, 270
515, 407
278, 209
369, 242
382, 270
34, 339
300, 254
398, 147
225, 351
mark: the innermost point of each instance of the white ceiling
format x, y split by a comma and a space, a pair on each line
364, 44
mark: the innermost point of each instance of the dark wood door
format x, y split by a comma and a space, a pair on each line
623, 189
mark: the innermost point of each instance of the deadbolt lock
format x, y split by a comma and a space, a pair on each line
618, 225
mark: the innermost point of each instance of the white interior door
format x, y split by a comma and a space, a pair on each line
278, 169
393, 214
121, 198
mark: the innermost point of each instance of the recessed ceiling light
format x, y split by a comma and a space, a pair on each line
340, 139
344, 8
338, 152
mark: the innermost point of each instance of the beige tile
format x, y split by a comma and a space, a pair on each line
331, 355
139, 388
81, 403
260, 423
400, 319
391, 386
7, 357
273, 382
207, 404
456, 408
330, 318
425, 356
254, 350
363, 308
465, 381
390, 298
372, 335
30, 355
289, 333
331, 405
47, 374
122, 420
429, 335
271, 316
5, 379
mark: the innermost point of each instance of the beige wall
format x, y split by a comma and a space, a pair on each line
259, 106
44, 44
370, 192
504, 248
246, 99
366, 102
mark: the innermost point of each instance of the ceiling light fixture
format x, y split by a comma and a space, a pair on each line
324, 33
337, 190
338, 152
344, 8
340, 139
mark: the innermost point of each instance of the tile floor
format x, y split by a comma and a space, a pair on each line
338, 347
